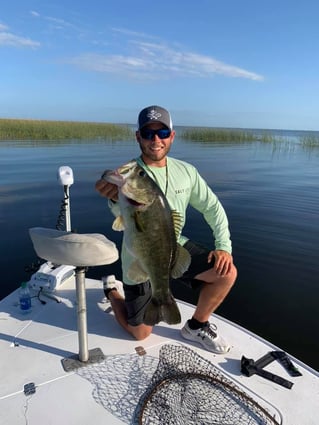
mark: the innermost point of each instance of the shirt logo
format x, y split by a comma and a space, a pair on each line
183, 190
153, 115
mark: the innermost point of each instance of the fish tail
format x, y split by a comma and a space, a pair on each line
162, 311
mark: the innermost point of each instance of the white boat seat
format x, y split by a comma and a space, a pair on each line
74, 249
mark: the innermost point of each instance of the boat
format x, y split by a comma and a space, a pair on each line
68, 361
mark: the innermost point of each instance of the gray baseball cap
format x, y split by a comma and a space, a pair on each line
152, 114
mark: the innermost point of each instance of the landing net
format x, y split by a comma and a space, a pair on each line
178, 388
188, 389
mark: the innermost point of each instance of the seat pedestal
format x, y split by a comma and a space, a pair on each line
85, 355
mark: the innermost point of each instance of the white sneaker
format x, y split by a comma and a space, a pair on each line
207, 337
109, 282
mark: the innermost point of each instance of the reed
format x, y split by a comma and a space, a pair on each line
207, 134
310, 141
12, 129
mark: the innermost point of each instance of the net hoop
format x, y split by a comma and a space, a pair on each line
146, 409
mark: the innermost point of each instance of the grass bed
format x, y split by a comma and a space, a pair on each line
11, 129
310, 141
227, 135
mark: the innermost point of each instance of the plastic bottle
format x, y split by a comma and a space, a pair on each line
25, 298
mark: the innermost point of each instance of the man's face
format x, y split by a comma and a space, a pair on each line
153, 146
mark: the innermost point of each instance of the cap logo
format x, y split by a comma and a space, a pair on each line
153, 115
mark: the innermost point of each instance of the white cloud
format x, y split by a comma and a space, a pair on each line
54, 23
59, 23
34, 13
3, 27
138, 34
154, 61
9, 39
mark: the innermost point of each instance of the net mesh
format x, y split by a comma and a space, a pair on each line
188, 389
119, 381
178, 388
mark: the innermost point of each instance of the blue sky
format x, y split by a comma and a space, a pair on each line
227, 63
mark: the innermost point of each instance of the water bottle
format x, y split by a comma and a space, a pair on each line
25, 298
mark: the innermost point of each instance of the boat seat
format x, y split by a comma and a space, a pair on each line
79, 251
74, 249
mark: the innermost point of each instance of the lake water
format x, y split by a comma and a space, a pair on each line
269, 190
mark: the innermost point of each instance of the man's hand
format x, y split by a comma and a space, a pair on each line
106, 189
223, 261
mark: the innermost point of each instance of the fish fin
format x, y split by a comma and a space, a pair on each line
166, 311
118, 224
182, 262
136, 273
177, 222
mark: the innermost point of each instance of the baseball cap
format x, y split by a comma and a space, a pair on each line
152, 114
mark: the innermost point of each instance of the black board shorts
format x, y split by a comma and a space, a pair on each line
138, 296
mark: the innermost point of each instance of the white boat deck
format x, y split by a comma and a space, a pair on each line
32, 347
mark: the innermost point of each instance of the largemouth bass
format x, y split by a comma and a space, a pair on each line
150, 231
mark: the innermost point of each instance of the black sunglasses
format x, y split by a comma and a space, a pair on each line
148, 134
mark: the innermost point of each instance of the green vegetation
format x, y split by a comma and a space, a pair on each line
206, 134
310, 141
38, 130
11, 129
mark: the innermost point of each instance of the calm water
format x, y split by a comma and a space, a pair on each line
270, 192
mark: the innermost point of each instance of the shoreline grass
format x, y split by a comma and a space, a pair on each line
45, 130
16, 129
207, 134
310, 141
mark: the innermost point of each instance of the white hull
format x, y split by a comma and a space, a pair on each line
33, 346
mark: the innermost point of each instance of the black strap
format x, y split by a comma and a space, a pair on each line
274, 378
249, 367
282, 357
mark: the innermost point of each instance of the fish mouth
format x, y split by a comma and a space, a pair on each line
135, 203
114, 177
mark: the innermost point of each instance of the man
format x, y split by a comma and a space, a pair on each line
212, 270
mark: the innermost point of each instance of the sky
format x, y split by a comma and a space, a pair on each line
226, 63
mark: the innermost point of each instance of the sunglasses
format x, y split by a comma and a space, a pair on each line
148, 134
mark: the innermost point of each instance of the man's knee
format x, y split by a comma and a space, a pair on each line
140, 332
233, 275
